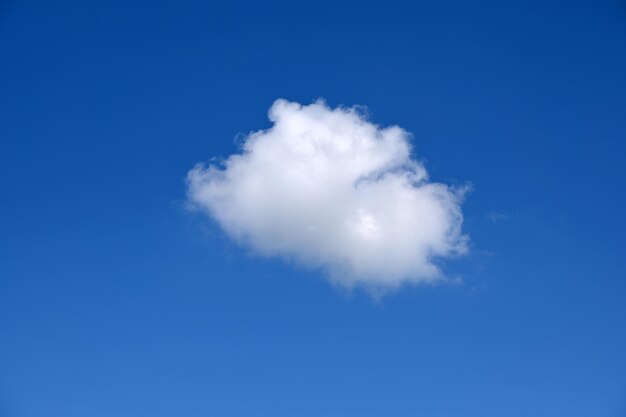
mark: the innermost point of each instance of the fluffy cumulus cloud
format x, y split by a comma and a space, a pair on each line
329, 189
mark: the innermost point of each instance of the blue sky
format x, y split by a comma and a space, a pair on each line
116, 301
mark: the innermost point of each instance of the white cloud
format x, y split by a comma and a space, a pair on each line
328, 189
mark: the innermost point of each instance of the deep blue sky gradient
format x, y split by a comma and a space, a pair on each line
115, 301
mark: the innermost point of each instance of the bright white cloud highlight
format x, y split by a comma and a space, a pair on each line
328, 189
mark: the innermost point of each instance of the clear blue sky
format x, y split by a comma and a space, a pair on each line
117, 302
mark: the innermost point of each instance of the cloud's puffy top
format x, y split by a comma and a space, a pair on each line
329, 189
